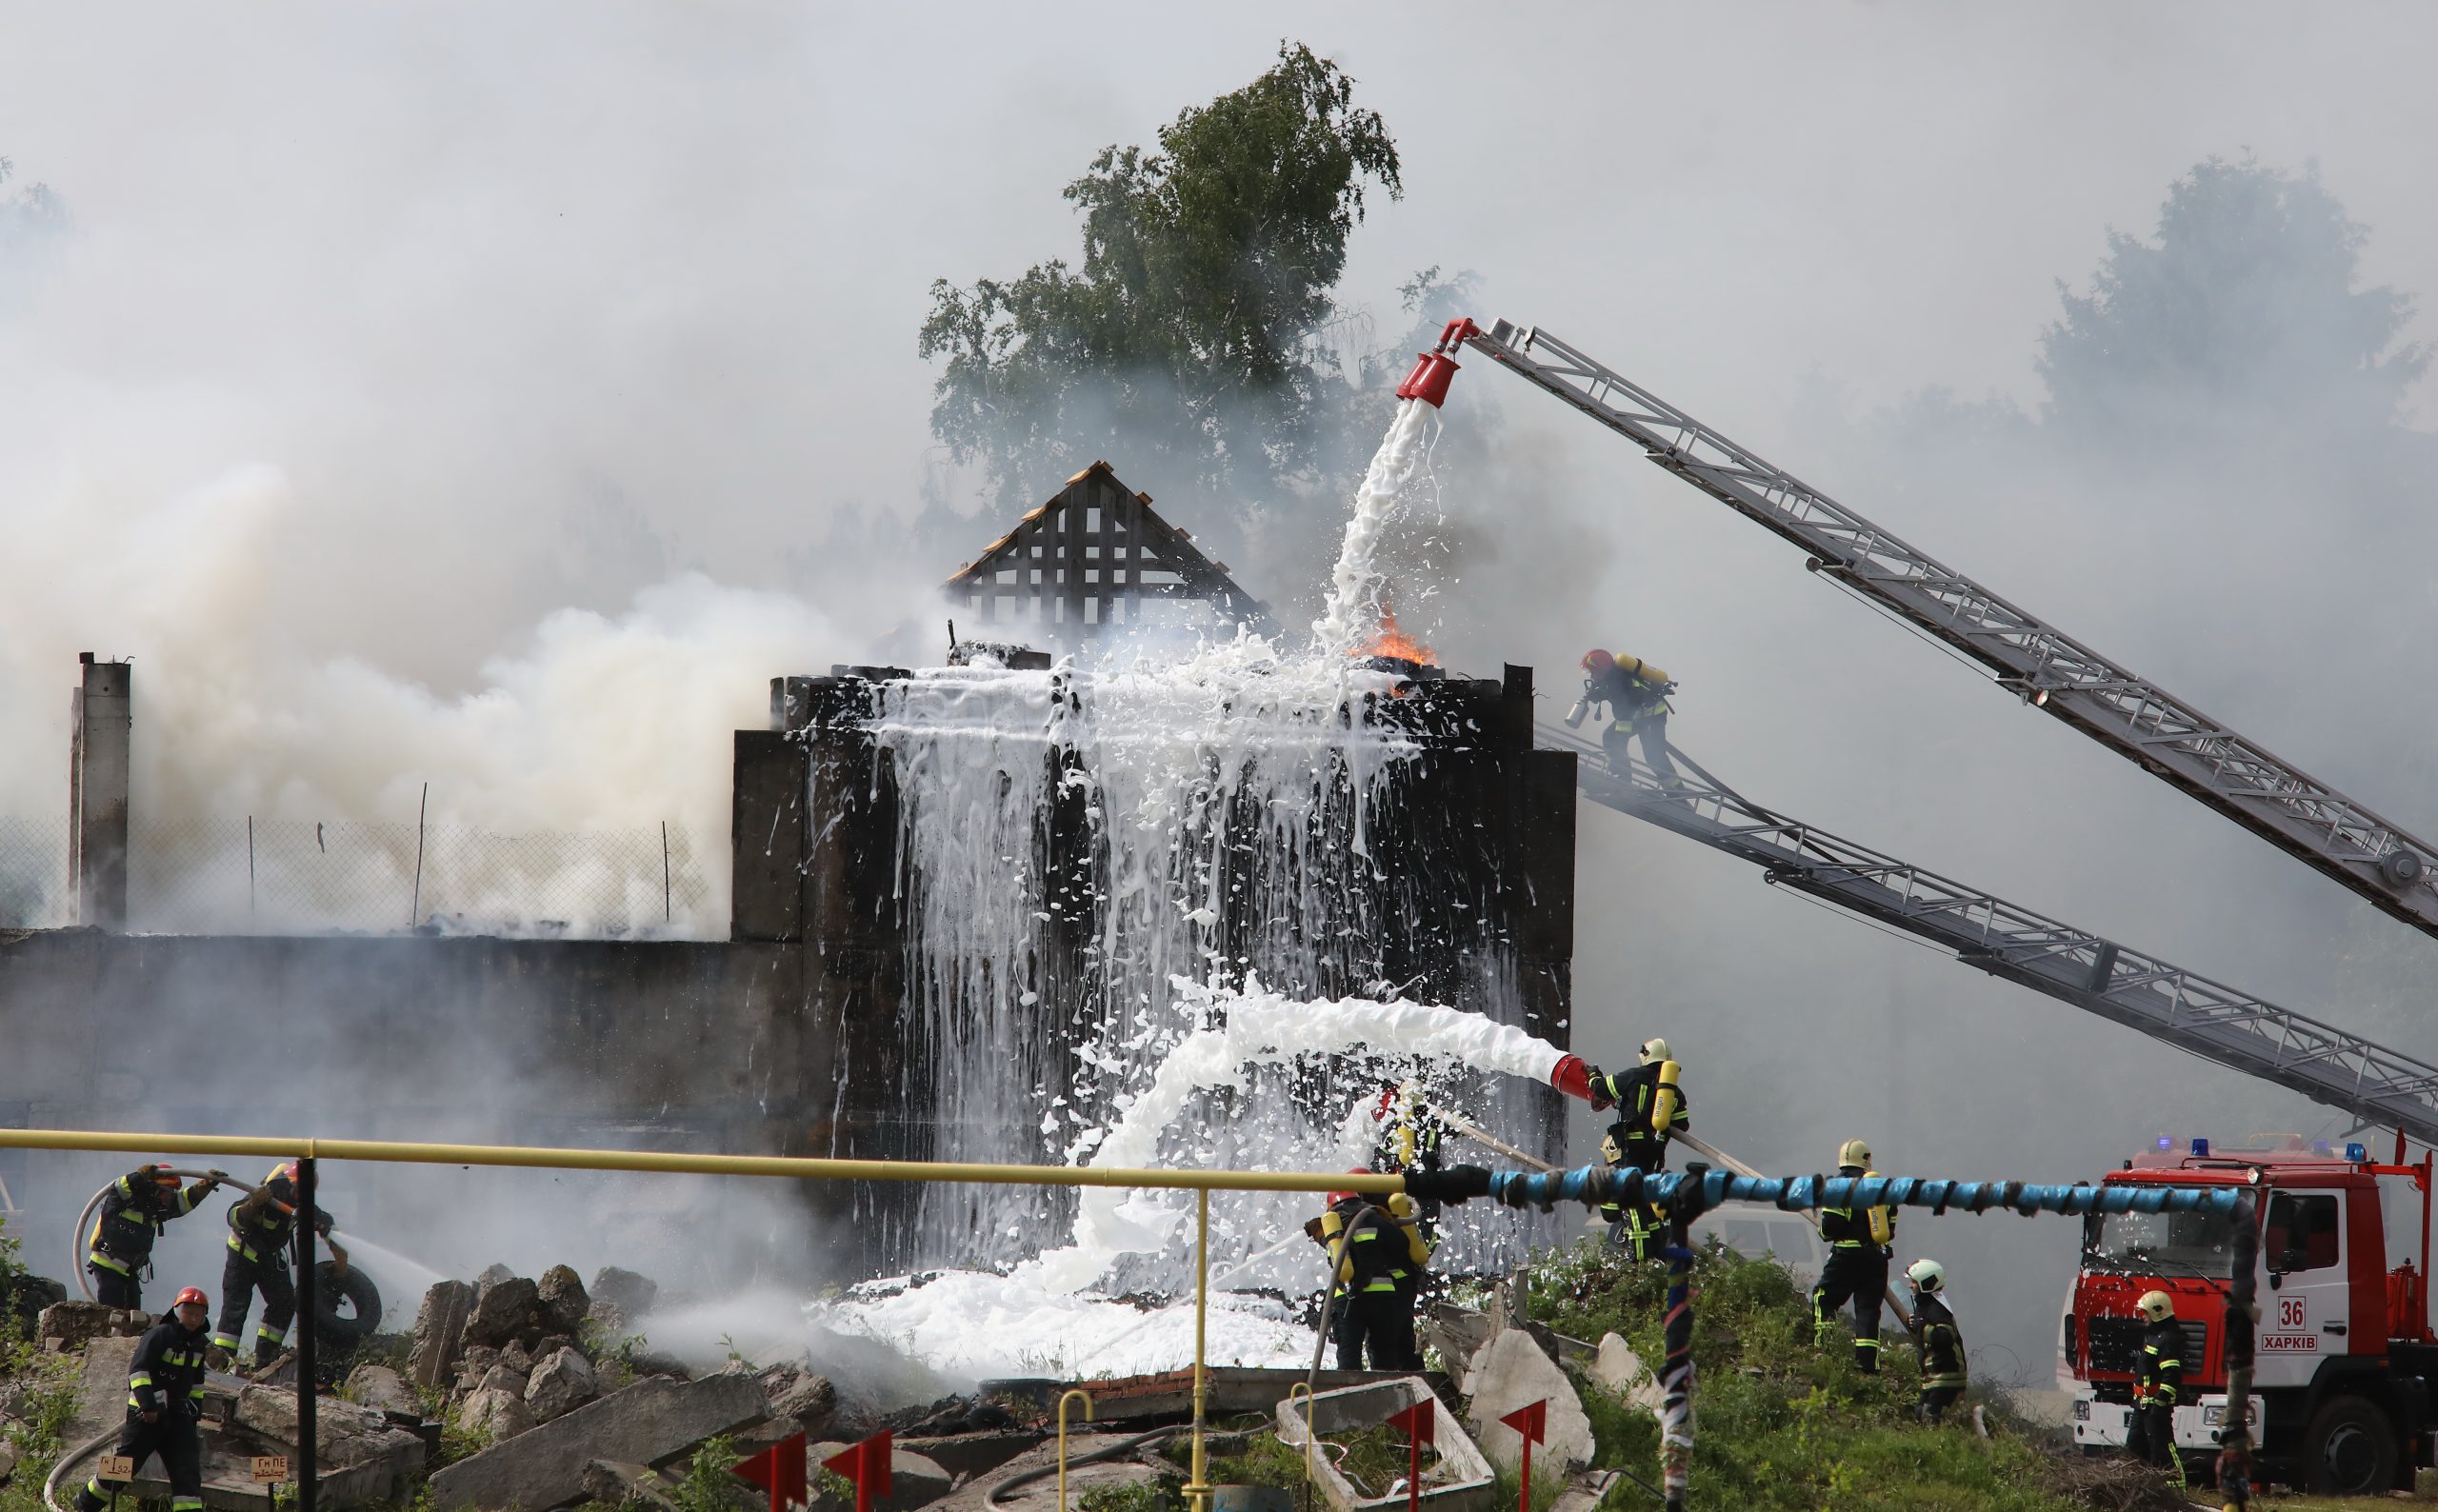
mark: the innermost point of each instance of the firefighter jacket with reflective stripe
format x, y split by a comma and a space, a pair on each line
259, 1230
1844, 1228
168, 1369
1628, 689
1942, 1346
2158, 1374
1635, 1092
1382, 1256
133, 1210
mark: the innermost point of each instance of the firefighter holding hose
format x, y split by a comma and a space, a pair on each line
260, 1230
1651, 1109
1860, 1248
134, 1211
164, 1400
1636, 695
1377, 1260
1940, 1347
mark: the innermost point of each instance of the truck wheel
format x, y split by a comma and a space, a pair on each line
2350, 1448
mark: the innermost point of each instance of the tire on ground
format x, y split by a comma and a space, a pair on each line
362, 1313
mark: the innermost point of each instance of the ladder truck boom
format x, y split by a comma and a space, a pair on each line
2047, 669
2204, 1018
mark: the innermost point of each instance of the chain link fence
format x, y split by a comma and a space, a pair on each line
230, 874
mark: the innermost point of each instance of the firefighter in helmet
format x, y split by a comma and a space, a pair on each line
1636, 695
1377, 1257
164, 1400
260, 1230
1860, 1246
2158, 1385
134, 1209
1651, 1110
1935, 1337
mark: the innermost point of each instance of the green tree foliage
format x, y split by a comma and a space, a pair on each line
2248, 301
1194, 338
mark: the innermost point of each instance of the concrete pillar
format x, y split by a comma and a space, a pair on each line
98, 780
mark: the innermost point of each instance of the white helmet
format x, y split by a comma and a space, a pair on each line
1927, 1275
1655, 1051
2157, 1306
1853, 1152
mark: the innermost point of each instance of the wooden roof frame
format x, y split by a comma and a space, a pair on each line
1088, 558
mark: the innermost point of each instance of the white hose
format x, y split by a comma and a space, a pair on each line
50, 1482
76, 1242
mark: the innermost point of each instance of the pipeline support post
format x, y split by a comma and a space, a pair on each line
308, 1472
1063, 1402
1200, 1491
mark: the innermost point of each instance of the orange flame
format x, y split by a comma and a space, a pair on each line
1394, 642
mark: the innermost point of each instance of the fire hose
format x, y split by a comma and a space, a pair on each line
76, 1240
50, 1481
1698, 1189
348, 1282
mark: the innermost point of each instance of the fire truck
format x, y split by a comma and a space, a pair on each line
2344, 1359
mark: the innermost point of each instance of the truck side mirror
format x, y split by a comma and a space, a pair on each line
2277, 1281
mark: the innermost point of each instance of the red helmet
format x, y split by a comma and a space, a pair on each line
162, 1175
1335, 1198
1597, 661
284, 1171
194, 1295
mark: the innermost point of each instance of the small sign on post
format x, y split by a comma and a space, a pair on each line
1532, 1426
270, 1469
116, 1467
1420, 1423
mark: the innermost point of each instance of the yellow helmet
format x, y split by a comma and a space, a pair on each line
2157, 1306
1655, 1051
1853, 1152
1608, 1150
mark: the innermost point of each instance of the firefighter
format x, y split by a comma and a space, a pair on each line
1636, 693
1379, 1256
260, 1229
2158, 1386
1859, 1250
164, 1400
1651, 1112
1409, 1139
1935, 1337
134, 1211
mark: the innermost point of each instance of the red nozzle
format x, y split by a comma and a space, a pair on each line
1572, 1076
1434, 370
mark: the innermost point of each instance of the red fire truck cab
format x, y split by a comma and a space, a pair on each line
2345, 1363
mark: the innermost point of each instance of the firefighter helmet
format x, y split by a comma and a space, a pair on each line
1596, 661
162, 1175
1335, 1198
1853, 1152
2157, 1306
1927, 1275
192, 1295
1655, 1051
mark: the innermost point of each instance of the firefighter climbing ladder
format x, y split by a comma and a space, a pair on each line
2184, 1008
2047, 669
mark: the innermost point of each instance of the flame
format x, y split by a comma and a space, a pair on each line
1394, 642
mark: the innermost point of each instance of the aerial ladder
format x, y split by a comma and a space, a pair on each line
2039, 664
2374, 1085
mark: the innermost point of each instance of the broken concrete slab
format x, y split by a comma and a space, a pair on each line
559, 1385
501, 1378
101, 1391
809, 1402
967, 1455
381, 1389
652, 1423
619, 1482
916, 1479
65, 1326
345, 1433
1041, 1494
495, 1414
504, 1310
1512, 1373
564, 1303
439, 1334
1620, 1371
1456, 1477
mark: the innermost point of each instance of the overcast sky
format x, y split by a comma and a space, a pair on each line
385, 332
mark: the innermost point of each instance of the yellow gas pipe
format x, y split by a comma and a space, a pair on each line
1062, 1438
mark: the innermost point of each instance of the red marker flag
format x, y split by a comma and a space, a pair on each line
1418, 1423
867, 1464
780, 1470
1532, 1426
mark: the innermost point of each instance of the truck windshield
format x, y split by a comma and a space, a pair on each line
2172, 1244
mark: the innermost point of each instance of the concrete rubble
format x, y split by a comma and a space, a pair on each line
620, 1297
506, 1310
383, 1390
64, 1327
439, 1334
360, 1456
1510, 1373
560, 1383
564, 1301
1621, 1372
916, 1479
652, 1422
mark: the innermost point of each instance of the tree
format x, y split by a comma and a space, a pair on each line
1193, 340
2246, 304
